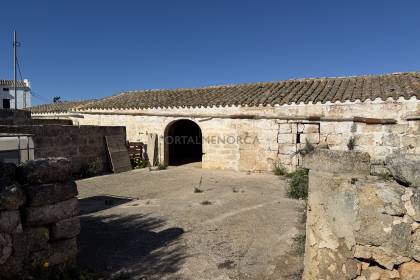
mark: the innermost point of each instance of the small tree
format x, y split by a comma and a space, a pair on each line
56, 99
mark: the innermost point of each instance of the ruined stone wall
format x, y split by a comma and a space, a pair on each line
360, 226
276, 129
39, 221
81, 144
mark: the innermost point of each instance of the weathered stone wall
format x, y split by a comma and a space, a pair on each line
11, 116
360, 226
81, 144
39, 221
276, 128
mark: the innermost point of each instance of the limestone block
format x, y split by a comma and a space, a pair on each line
410, 141
410, 271
5, 247
396, 128
414, 128
287, 149
353, 162
415, 245
10, 221
334, 139
31, 240
371, 128
365, 140
11, 197
311, 128
65, 229
392, 140
405, 168
328, 128
375, 272
45, 194
380, 256
51, 213
63, 251
285, 128
312, 138
45, 170
286, 139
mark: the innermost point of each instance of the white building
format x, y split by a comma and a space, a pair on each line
7, 94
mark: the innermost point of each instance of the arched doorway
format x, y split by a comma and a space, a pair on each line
183, 142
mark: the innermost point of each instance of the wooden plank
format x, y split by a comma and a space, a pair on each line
152, 148
118, 154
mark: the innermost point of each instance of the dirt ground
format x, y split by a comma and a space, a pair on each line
189, 223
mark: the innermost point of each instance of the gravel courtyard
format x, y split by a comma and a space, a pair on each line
189, 223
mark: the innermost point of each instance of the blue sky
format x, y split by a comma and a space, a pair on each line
91, 49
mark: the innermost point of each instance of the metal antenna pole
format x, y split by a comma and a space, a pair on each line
14, 67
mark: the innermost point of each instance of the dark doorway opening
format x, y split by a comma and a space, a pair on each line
184, 142
6, 103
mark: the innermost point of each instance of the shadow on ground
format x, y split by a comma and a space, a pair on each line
131, 244
101, 202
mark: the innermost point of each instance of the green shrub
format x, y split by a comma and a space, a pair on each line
298, 187
138, 163
279, 169
299, 243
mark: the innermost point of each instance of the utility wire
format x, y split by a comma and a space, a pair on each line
33, 93
18, 66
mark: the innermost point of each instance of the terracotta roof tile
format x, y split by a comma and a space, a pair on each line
58, 107
268, 93
19, 84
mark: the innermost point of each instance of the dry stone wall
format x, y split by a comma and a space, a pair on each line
83, 145
39, 221
360, 226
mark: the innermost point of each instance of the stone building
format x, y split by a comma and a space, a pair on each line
251, 126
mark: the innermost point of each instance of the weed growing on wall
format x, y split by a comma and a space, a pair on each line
351, 144
306, 150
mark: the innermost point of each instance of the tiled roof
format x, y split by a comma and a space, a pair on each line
306, 91
58, 107
314, 90
9, 83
